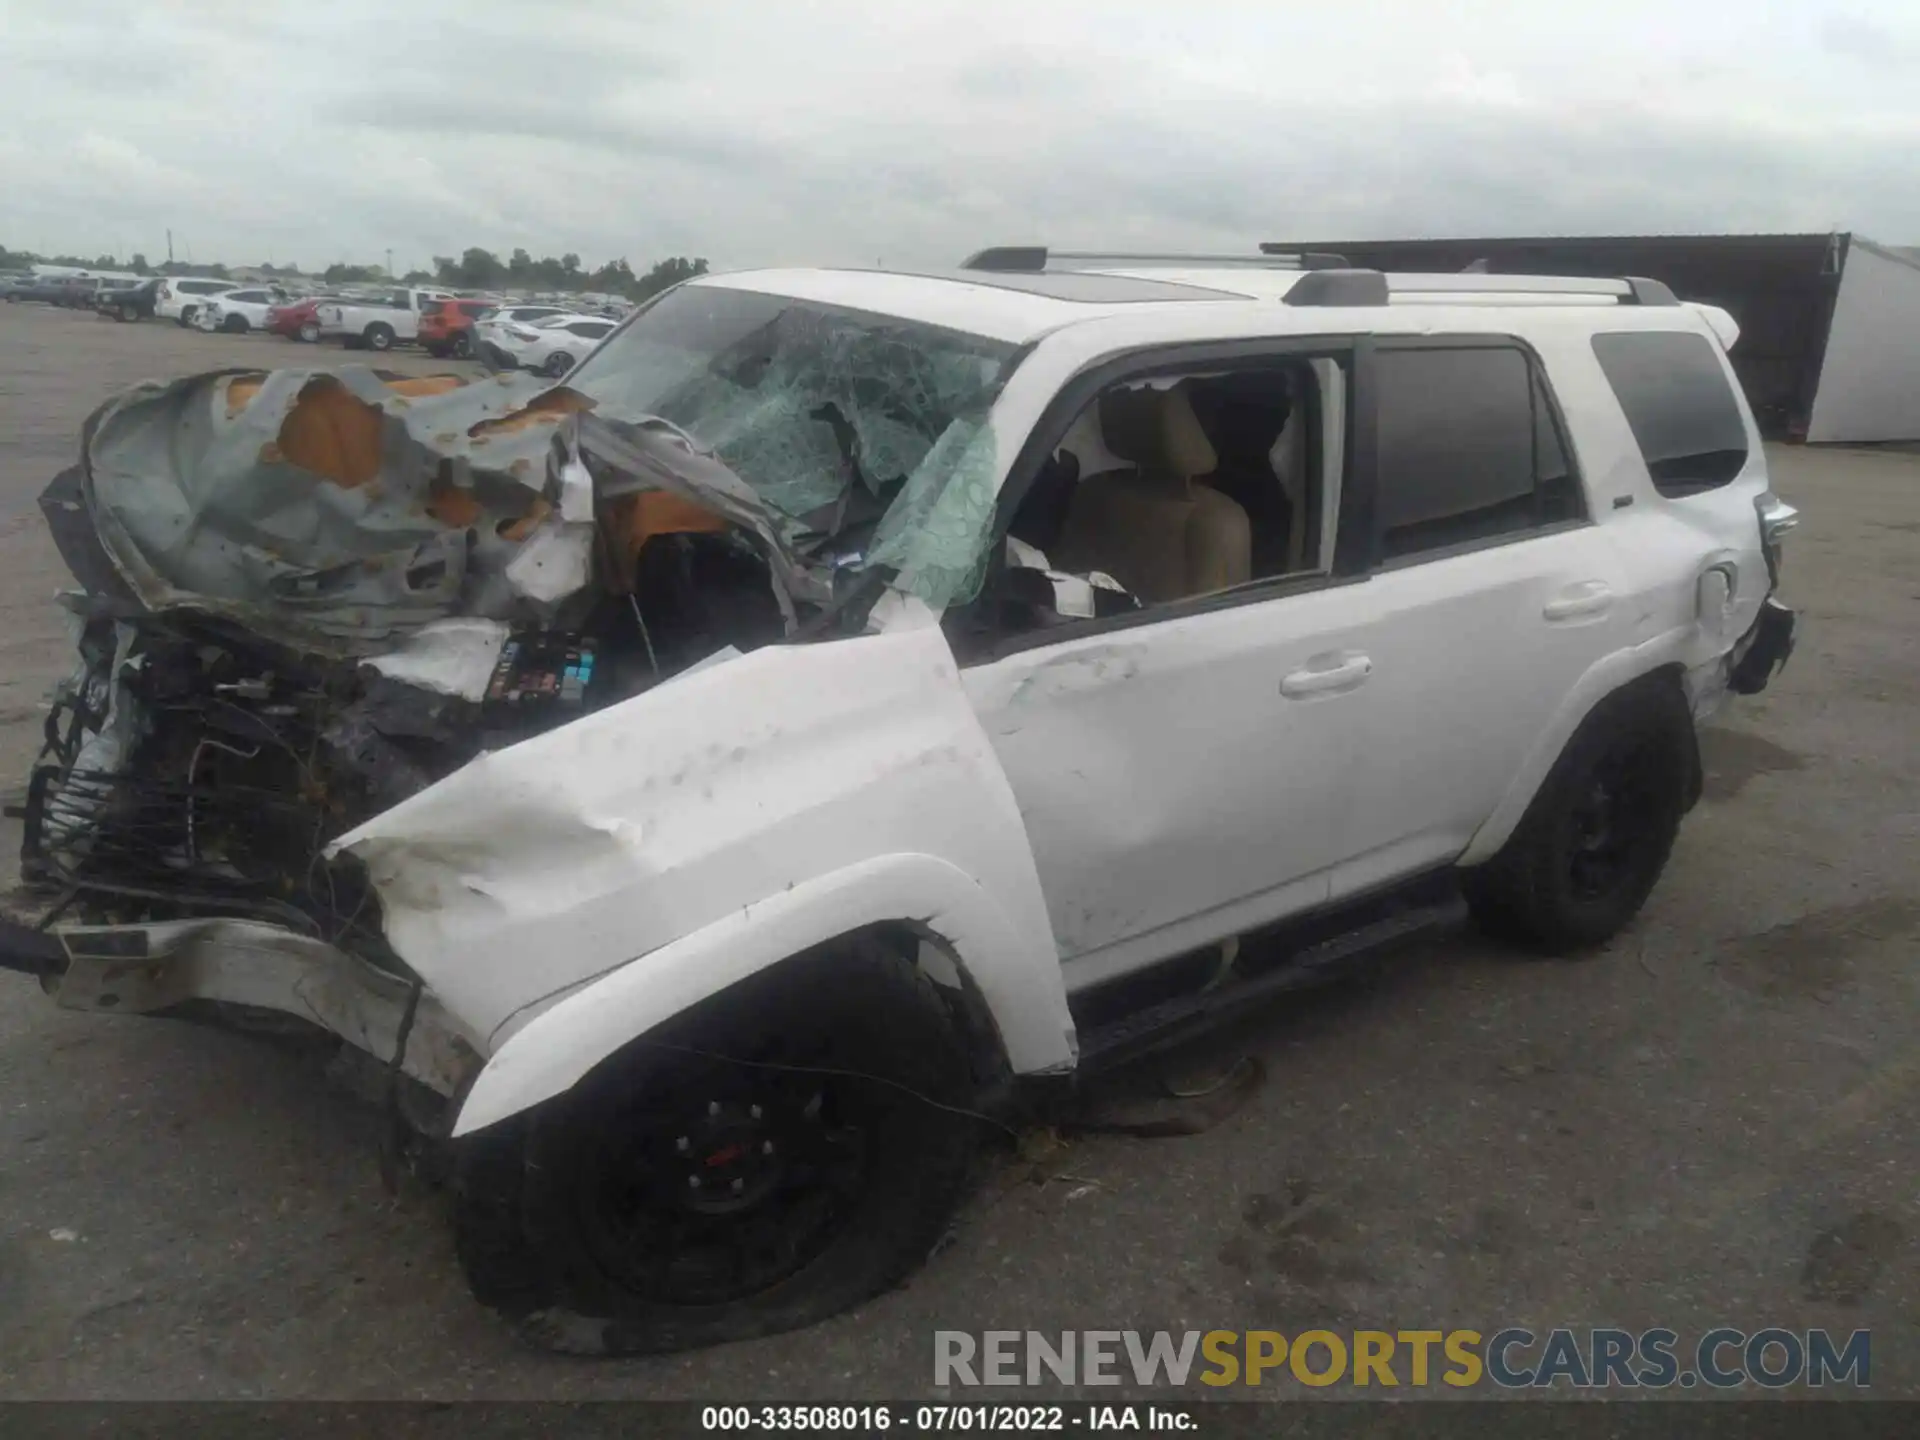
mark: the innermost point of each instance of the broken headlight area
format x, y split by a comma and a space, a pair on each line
307, 596
192, 768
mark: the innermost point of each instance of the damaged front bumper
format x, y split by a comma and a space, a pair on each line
237, 969
1763, 651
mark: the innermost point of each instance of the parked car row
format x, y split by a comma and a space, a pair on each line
68, 291
545, 337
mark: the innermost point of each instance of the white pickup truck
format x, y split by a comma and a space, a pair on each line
378, 322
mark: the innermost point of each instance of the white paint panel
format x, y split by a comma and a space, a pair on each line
1870, 379
644, 834
1167, 774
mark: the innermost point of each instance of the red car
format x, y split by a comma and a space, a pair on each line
297, 319
446, 326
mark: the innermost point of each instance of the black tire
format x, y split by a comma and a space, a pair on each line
309, 333
582, 1221
557, 364
1594, 841
379, 336
463, 346
235, 325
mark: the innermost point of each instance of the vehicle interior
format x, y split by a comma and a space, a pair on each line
1180, 486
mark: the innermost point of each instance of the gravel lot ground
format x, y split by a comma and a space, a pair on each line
1716, 1122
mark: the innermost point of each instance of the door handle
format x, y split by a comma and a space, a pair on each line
1580, 602
1328, 675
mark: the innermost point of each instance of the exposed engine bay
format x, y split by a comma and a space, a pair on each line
291, 668
191, 768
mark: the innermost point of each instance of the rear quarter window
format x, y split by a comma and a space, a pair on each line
1469, 451
1682, 411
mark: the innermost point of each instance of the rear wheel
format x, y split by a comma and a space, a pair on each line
379, 336
463, 346
235, 325
557, 364
1597, 836
310, 332
771, 1157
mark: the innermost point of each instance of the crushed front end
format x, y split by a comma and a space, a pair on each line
309, 597
305, 597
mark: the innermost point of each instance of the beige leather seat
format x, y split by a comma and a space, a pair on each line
1155, 529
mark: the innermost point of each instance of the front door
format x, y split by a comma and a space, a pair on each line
1181, 780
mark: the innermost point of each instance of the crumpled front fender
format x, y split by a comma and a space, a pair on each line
557, 1047
655, 851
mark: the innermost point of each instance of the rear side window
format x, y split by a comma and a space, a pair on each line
1683, 413
1470, 450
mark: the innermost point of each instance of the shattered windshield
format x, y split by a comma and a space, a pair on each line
867, 432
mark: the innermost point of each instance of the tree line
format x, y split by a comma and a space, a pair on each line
473, 269
478, 269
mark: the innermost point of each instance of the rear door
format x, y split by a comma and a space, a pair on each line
1492, 594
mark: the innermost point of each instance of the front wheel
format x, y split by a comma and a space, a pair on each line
310, 332
557, 364
378, 336
1594, 841
234, 324
771, 1157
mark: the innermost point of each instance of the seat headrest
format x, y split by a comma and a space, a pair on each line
1157, 430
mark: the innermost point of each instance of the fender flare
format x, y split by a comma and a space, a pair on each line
1018, 977
1614, 672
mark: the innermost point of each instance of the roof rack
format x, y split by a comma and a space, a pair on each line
1375, 287
1033, 259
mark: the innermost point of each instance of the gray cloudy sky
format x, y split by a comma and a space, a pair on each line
755, 131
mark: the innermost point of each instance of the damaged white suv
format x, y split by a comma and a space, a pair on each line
705, 786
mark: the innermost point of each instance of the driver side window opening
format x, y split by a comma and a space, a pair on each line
1173, 487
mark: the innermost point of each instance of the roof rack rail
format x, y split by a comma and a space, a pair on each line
1032, 259
1375, 287
1628, 289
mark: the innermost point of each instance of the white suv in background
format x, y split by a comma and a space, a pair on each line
1027, 664
178, 298
237, 311
490, 326
551, 345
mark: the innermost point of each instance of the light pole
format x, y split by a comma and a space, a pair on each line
390, 262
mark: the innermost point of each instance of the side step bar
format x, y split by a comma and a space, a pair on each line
1169, 1022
